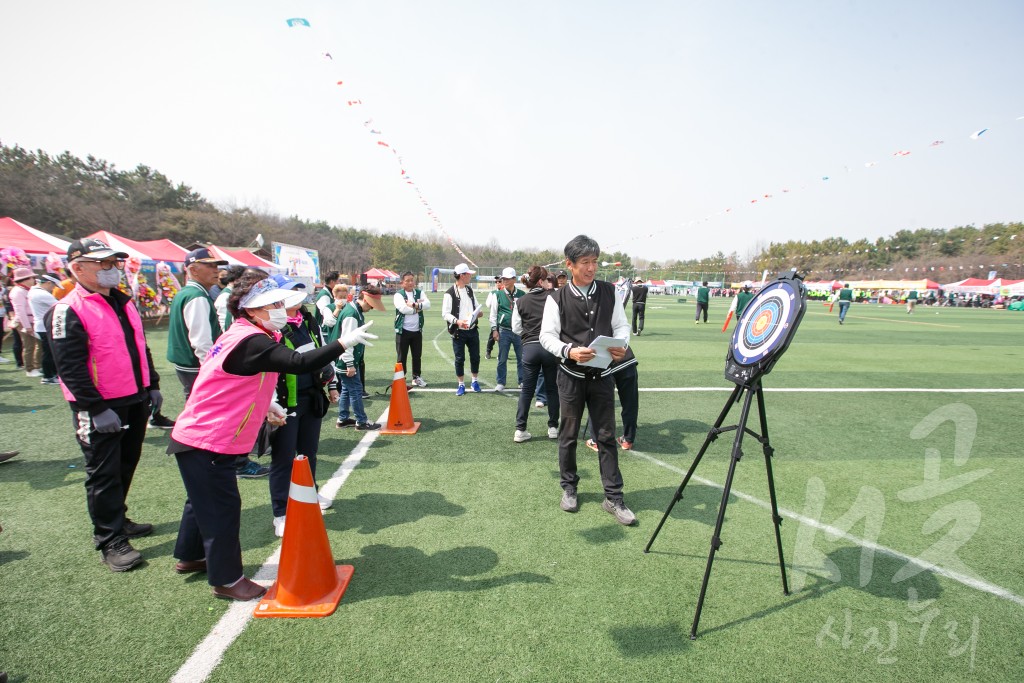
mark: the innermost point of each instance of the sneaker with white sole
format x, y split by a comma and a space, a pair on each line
4, 360
623, 515
325, 503
552, 432
539, 404
569, 503
475, 386
418, 381
499, 387
279, 526
522, 435
592, 445
34, 373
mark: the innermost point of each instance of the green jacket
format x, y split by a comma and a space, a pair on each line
400, 317
179, 347
742, 299
846, 294
317, 315
352, 310
702, 295
505, 304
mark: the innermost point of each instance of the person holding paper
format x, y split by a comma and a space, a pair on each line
461, 313
574, 317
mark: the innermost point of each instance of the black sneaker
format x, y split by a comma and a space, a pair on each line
252, 470
367, 426
120, 556
135, 530
159, 421
366, 395
347, 422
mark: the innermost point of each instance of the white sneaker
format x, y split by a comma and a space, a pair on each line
418, 381
325, 503
34, 373
279, 527
552, 432
522, 436
4, 360
499, 387
539, 404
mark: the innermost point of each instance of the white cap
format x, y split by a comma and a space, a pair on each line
264, 293
508, 273
462, 269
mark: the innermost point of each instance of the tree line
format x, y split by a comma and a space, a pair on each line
73, 197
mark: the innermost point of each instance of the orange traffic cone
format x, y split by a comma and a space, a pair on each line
400, 412
308, 583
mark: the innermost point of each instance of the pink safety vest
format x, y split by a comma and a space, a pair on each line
224, 412
110, 364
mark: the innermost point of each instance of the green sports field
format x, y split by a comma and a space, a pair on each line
897, 467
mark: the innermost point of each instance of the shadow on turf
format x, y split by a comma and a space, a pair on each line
43, 475
369, 513
7, 556
385, 570
675, 437
650, 641
845, 572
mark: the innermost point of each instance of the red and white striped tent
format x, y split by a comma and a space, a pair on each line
32, 241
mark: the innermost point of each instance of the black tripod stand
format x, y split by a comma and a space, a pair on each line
751, 390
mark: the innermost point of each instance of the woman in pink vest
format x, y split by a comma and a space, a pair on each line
231, 397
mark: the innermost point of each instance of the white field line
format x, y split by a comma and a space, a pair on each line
207, 655
969, 581
783, 390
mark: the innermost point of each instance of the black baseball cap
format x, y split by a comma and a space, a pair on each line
202, 255
92, 248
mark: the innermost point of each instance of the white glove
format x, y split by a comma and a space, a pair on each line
357, 336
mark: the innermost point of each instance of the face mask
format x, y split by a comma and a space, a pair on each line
109, 279
296, 319
278, 319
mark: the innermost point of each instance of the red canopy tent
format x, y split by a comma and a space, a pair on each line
381, 274
16, 234
147, 250
242, 257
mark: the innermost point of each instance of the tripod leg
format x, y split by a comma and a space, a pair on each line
768, 453
716, 539
712, 435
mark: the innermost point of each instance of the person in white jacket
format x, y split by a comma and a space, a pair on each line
41, 300
410, 303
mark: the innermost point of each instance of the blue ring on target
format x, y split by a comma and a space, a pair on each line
767, 323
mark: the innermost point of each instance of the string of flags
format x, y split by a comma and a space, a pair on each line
373, 130
897, 154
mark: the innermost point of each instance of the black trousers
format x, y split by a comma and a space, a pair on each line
462, 340
638, 318
403, 342
110, 462
300, 435
46, 362
17, 348
701, 307
596, 395
627, 386
537, 361
212, 517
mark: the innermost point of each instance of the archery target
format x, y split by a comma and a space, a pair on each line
766, 323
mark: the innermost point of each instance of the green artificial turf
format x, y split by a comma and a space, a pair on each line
467, 570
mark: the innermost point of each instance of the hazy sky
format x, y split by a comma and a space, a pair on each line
527, 122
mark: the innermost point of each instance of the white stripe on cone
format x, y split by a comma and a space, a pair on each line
398, 375
302, 494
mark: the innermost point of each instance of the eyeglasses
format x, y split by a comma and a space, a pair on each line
107, 264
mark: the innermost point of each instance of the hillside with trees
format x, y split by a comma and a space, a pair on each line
73, 197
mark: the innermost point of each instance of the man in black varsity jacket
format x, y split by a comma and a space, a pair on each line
574, 316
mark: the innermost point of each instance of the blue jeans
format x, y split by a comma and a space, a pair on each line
542, 393
506, 338
843, 305
351, 392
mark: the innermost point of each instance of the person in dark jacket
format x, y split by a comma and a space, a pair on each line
302, 396
537, 361
574, 317
108, 378
639, 305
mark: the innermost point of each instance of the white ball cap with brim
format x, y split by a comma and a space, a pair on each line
462, 269
295, 298
264, 293
508, 274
